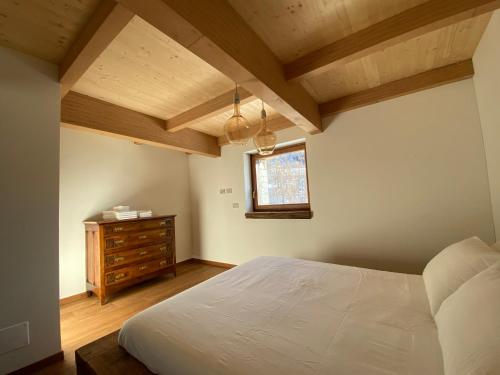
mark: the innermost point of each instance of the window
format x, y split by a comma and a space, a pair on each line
279, 181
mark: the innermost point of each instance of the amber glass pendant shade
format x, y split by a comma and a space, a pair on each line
239, 130
265, 140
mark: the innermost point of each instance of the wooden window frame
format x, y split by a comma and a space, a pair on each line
278, 207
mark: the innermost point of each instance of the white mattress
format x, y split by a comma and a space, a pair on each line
288, 316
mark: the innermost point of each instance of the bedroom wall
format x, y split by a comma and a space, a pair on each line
29, 167
487, 84
99, 172
391, 185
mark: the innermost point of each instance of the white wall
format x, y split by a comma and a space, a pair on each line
391, 184
29, 169
100, 172
487, 84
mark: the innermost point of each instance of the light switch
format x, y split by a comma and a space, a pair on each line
14, 337
222, 191
236, 205
229, 190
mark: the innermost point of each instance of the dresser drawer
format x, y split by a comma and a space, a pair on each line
124, 227
160, 223
121, 258
137, 238
131, 272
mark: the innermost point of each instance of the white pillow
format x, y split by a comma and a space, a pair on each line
468, 325
454, 266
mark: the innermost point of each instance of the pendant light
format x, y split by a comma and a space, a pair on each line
265, 141
237, 129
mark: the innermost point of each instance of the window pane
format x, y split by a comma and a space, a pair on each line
282, 179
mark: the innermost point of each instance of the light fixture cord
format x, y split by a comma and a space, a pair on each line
263, 111
236, 95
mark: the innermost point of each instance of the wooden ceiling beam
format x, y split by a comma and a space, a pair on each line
275, 124
422, 19
432, 78
211, 108
86, 113
217, 34
104, 25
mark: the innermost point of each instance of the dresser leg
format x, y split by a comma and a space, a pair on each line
89, 293
104, 299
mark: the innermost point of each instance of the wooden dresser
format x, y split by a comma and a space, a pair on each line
121, 253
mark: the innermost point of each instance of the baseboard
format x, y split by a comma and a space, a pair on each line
213, 263
189, 260
73, 298
39, 365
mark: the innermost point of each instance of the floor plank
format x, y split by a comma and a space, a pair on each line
85, 320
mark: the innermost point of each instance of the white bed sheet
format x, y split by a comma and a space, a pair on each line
287, 316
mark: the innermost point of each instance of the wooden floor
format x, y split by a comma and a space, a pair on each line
85, 320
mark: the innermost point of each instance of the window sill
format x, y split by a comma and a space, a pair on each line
279, 215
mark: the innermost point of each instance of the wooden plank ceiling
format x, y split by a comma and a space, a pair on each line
295, 28
42, 28
144, 70
445, 46
178, 63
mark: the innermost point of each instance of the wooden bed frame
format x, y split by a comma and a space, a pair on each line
105, 356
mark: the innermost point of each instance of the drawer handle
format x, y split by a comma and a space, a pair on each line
163, 262
163, 248
113, 277
143, 237
112, 259
119, 242
163, 234
142, 268
118, 229
143, 253
163, 222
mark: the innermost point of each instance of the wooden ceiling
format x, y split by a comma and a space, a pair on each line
43, 28
176, 60
442, 47
294, 28
144, 70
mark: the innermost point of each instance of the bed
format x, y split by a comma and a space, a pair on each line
289, 316
279, 315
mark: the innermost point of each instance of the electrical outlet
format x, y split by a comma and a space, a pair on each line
229, 190
14, 337
222, 191
236, 205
